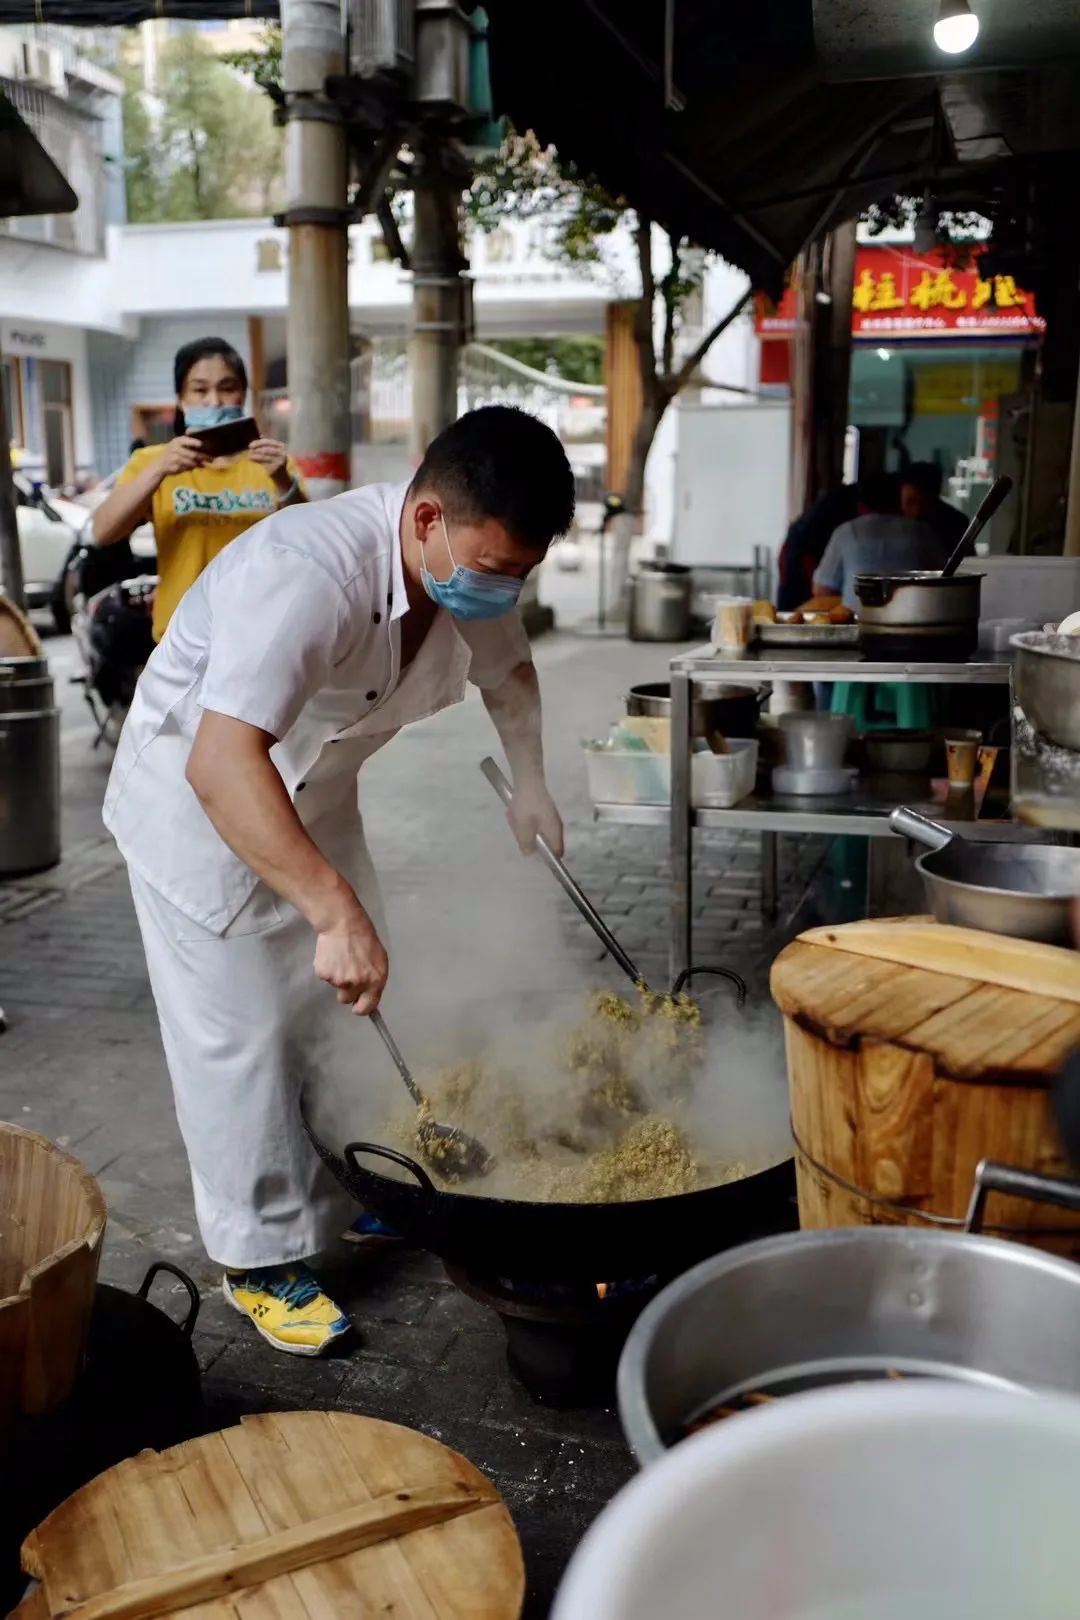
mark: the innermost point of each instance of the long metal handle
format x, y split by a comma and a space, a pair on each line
909, 824
1004, 1178
989, 504
555, 866
399, 1062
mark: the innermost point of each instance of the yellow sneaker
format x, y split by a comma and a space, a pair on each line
288, 1308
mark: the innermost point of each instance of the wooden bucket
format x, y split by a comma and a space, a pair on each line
52, 1220
915, 1050
291, 1513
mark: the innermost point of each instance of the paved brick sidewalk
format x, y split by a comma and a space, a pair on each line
81, 1062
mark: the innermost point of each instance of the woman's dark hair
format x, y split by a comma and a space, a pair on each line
189, 354
500, 462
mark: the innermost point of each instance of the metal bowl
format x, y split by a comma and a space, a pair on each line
902, 751
812, 1308
1047, 684
730, 710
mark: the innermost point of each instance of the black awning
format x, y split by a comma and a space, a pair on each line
126, 13
725, 129
30, 182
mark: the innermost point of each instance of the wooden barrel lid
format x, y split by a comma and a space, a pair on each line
298, 1514
984, 1006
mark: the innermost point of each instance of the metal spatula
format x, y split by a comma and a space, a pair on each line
453, 1151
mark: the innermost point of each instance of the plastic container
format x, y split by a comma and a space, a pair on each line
875, 1502
630, 776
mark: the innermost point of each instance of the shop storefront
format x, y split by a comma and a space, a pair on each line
940, 370
44, 374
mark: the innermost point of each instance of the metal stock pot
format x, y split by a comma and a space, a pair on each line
824, 1307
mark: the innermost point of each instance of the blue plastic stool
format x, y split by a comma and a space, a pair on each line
884, 705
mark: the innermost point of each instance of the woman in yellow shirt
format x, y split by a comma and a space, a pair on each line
197, 502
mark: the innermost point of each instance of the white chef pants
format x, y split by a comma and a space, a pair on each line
230, 1008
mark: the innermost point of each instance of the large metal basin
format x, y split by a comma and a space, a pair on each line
823, 1307
1047, 684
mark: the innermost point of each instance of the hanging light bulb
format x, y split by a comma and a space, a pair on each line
957, 27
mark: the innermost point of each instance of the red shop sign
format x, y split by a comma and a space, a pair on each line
900, 294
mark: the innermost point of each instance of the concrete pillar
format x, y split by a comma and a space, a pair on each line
316, 213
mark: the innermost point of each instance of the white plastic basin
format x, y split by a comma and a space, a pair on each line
921, 1501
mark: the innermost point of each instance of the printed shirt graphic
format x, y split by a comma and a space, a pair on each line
195, 515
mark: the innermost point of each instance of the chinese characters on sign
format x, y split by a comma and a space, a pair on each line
935, 289
900, 294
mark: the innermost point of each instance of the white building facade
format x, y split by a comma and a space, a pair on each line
115, 319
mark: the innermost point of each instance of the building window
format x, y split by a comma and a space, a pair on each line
13, 416
57, 437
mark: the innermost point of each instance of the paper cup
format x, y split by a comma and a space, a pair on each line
961, 760
734, 623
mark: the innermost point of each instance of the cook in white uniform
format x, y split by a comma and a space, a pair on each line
300, 651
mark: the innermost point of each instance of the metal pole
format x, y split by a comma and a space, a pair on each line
439, 290
11, 574
681, 947
316, 212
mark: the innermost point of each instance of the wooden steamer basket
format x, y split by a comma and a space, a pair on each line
52, 1221
914, 1051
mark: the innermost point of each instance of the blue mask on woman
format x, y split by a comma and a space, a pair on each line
468, 593
207, 416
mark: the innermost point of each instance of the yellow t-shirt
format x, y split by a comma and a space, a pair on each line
195, 515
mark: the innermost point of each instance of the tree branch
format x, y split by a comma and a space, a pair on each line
643, 314
692, 361
668, 287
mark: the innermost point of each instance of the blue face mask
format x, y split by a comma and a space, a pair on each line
469, 594
205, 416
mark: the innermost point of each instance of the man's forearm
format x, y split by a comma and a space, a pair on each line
515, 711
244, 796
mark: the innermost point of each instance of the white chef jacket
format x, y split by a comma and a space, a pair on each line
294, 628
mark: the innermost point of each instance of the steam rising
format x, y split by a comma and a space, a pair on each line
503, 979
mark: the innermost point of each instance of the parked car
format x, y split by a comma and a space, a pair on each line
48, 529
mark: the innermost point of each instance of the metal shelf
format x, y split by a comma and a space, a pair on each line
833, 817
795, 664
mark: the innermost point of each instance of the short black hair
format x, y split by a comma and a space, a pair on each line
878, 492
204, 349
925, 475
499, 462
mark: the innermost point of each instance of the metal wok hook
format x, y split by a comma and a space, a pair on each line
571, 887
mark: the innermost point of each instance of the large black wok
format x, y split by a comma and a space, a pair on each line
506, 1237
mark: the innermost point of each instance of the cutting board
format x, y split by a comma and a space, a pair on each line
290, 1516
914, 1050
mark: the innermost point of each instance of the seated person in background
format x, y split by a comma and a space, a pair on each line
920, 499
805, 544
877, 541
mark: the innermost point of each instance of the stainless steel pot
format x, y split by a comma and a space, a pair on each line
919, 601
1023, 890
1047, 677
660, 602
731, 710
821, 1307
815, 741
29, 792
25, 684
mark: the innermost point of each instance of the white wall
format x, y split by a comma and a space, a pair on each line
733, 359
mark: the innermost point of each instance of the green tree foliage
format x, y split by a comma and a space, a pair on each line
204, 146
264, 64
579, 359
524, 180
